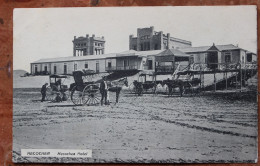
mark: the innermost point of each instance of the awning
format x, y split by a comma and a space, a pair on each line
146, 72
171, 55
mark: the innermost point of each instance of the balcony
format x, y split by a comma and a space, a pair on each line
121, 68
164, 69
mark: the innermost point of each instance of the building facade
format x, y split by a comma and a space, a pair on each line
150, 51
83, 46
217, 55
148, 39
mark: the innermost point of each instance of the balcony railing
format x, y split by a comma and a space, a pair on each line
222, 66
164, 69
113, 68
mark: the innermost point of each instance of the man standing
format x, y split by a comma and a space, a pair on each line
43, 91
103, 90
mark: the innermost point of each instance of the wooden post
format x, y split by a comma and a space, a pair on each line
215, 85
203, 82
226, 81
241, 76
236, 81
200, 79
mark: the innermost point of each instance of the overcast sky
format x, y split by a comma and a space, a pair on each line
48, 32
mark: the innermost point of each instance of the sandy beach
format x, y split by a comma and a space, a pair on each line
143, 129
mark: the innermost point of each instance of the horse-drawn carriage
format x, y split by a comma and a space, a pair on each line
183, 83
141, 85
84, 93
88, 93
56, 87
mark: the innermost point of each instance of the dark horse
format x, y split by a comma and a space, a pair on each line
116, 86
173, 84
138, 87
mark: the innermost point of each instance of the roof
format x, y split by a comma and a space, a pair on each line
138, 53
194, 49
174, 52
75, 58
205, 48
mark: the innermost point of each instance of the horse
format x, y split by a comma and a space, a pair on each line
138, 87
171, 84
116, 86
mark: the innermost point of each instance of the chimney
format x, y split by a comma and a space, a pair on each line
87, 35
93, 35
152, 27
102, 37
74, 37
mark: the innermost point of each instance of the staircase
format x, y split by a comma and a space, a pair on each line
233, 79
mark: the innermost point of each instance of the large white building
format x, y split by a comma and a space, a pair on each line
133, 60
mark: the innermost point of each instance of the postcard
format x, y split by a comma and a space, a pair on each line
135, 85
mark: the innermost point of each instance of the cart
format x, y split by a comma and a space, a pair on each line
84, 93
56, 87
143, 86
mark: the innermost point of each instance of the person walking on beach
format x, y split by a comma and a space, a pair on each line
103, 90
43, 91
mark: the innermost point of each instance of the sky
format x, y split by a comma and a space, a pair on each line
48, 32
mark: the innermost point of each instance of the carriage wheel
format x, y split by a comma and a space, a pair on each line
76, 96
50, 94
91, 95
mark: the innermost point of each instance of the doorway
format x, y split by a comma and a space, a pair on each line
212, 60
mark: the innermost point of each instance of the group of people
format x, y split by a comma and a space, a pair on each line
56, 88
103, 90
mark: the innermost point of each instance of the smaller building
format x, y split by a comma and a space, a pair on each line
148, 39
83, 46
217, 55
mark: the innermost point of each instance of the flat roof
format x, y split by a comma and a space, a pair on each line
205, 48
75, 58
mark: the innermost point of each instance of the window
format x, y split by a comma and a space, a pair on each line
35, 69
97, 66
109, 64
75, 66
148, 46
45, 69
55, 69
142, 47
227, 57
191, 59
126, 63
150, 64
65, 68
86, 65
249, 58
156, 46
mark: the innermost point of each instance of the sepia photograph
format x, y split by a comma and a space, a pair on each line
135, 85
